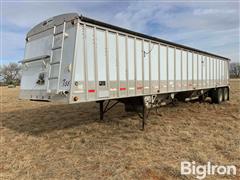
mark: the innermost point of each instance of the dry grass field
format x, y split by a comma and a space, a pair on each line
41, 140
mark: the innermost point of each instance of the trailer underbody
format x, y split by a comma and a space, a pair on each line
143, 105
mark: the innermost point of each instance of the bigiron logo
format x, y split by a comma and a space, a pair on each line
202, 171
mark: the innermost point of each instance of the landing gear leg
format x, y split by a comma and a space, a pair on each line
144, 116
105, 108
101, 109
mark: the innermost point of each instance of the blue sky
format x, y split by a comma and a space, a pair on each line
207, 25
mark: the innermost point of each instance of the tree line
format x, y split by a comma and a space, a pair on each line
234, 70
10, 74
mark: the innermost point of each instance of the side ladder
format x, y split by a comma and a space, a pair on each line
56, 58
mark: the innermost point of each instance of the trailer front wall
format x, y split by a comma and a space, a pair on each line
111, 64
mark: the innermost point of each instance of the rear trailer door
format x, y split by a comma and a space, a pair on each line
46, 68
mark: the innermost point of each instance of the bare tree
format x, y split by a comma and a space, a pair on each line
235, 70
10, 74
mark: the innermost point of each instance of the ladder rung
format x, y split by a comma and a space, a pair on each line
52, 78
58, 47
55, 34
57, 62
64, 34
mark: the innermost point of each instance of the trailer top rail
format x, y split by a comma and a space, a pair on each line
57, 20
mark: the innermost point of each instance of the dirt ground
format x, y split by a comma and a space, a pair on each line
41, 140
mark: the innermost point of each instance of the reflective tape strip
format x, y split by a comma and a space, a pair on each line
113, 89
81, 91
91, 90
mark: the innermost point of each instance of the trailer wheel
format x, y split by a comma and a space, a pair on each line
217, 96
225, 94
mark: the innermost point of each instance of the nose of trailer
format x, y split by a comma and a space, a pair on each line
34, 78
48, 57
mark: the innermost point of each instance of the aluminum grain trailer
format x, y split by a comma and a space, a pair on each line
75, 59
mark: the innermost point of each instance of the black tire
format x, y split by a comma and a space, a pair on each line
225, 94
217, 96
